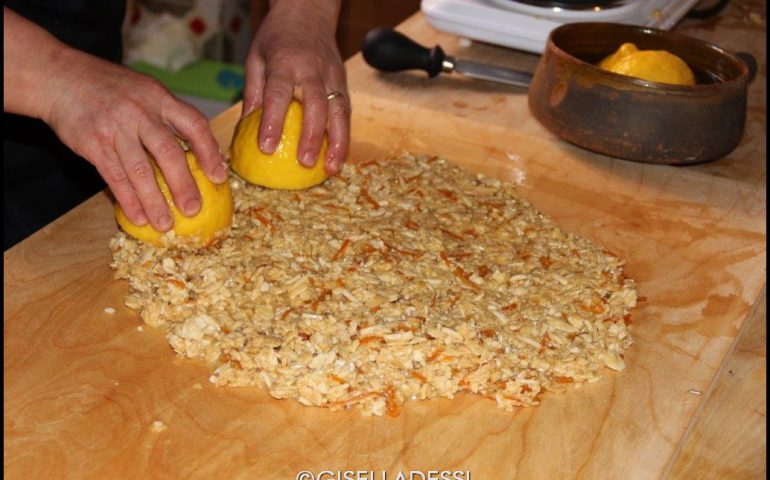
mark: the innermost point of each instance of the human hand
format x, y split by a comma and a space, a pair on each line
294, 55
108, 115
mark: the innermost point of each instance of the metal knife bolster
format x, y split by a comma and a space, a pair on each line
487, 72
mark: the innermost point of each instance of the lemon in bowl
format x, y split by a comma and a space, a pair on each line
201, 229
658, 66
281, 169
623, 116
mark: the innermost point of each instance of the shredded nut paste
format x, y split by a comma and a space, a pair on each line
406, 278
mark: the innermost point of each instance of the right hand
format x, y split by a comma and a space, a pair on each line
294, 56
109, 114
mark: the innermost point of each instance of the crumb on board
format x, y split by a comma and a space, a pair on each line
158, 426
109, 310
139, 328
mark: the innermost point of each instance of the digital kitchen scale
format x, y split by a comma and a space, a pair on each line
525, 24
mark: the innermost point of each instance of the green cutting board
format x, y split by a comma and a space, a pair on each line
204, 78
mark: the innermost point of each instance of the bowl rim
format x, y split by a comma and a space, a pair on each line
739, 81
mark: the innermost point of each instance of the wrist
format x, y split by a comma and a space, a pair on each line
34, 62
322, 14
64, 63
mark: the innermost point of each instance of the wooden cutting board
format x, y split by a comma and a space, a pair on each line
83, 386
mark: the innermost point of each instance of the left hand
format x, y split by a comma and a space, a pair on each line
294, 55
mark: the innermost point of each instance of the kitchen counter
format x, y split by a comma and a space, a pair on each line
84, 384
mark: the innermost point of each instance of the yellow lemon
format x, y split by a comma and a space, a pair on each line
281, 169
623, 51
652, 65
215, 215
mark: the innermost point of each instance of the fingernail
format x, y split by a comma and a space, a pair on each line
141, 219
164, 223
307, 159
192, 207
247, 108
268, 144
220, 173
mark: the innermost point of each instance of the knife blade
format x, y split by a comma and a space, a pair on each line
491, 73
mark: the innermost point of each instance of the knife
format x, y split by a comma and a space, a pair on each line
390, 51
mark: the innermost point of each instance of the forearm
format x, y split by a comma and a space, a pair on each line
32, 60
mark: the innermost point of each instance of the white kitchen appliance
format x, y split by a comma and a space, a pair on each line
525, 24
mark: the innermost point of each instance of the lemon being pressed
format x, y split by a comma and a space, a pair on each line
215, 214
281, 169
652, 65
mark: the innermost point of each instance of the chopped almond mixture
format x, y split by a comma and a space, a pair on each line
406, 278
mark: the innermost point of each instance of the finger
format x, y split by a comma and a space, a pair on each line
338, 133
115, 175
254, 85
171, 159
315, 108
191, 125
279, 89
142, 178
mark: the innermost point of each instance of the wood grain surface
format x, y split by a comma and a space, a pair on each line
84, 386
725, 441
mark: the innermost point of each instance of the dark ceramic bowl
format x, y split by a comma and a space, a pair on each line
635, 119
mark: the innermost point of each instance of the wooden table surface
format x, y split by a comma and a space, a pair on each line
83, 387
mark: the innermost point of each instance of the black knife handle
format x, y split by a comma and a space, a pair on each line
390, 51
